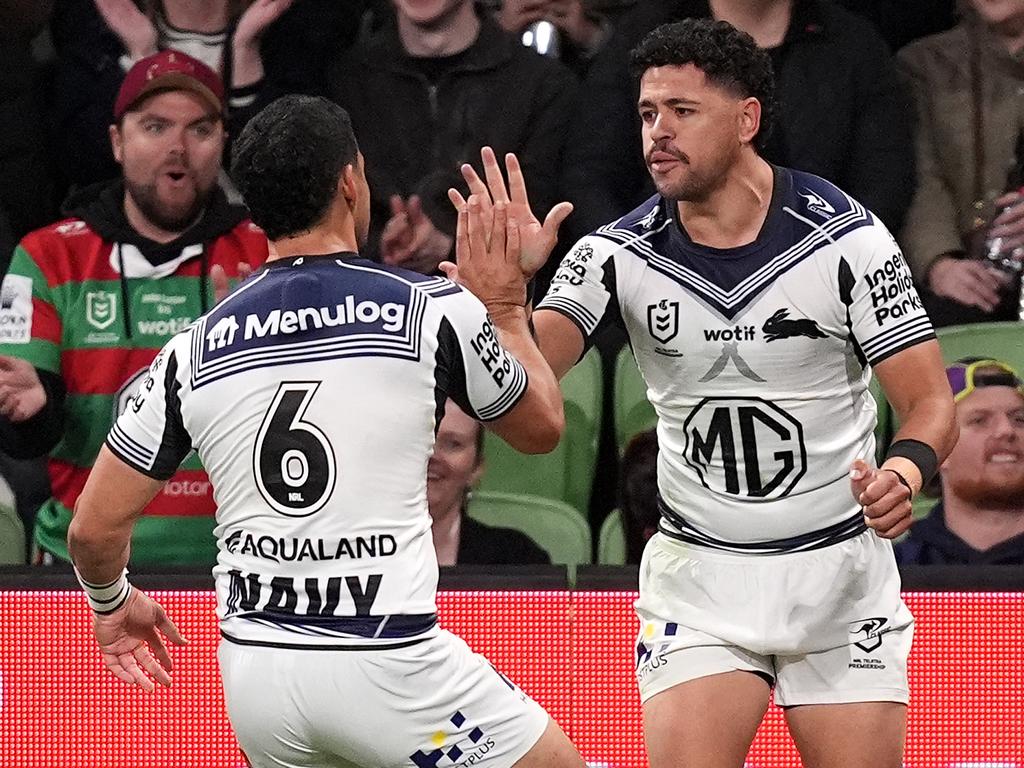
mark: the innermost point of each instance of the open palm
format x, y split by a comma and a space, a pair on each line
537, 238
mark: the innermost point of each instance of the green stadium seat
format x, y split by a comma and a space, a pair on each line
632, 411
611, 541
1003, 341
553, 525
567, 473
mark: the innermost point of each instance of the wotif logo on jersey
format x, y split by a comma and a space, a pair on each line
390, 316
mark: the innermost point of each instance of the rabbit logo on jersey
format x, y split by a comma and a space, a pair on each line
389, 317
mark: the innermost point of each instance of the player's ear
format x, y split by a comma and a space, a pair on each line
348, 188
749, 119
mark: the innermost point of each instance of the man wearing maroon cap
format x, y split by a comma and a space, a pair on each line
91, 299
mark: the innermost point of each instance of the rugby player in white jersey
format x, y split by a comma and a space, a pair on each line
757, 300
312, 395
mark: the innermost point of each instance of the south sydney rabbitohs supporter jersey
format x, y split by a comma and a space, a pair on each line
312, 396
757, 359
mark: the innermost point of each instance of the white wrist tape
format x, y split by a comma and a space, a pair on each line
106, 598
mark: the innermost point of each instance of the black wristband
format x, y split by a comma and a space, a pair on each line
921, 454
901, 478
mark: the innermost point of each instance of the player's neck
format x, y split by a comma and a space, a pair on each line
732, 215
982, 527
333, 236
446, 37
767, 21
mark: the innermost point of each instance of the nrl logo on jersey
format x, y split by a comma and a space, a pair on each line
100, 309
390, 316
663, 320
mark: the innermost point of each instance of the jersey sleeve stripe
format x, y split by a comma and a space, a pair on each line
509, 398
575, 311
125, 445
884, 344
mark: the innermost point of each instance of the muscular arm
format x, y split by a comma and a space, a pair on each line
105, 513
535, 424
560, 340
914, 381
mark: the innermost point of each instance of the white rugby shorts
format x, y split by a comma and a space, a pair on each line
434, 704
824, 626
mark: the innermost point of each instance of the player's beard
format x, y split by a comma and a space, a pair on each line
147, 200
696, 185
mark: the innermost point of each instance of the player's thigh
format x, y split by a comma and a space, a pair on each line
553, 750
867, 733
707, 722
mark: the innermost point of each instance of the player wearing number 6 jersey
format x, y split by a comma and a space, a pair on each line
757, 301
312, 395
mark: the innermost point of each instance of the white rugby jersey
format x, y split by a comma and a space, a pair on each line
756, 359
312, 395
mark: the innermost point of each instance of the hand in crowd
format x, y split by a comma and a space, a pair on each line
222, 284
22, 395
1009, 225
886, 501
132, 27
968, 281
257, 19
537, 239
130, 644
411, 240
568, 15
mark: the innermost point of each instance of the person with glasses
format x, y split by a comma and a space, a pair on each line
980, 517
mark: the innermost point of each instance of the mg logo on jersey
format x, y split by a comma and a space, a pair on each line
100, 309
745, 446
223, 333
663, 320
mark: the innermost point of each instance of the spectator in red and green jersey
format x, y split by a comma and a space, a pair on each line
90, 300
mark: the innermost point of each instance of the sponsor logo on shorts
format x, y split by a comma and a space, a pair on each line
867, 635
460, 748
649, 656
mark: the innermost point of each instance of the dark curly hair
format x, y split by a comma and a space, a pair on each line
287, 161
728, 58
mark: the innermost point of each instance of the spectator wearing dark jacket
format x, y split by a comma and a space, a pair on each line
261, 48
842, 112
26, 188
980, 520
425, 94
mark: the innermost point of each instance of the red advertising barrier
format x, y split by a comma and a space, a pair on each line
573, 651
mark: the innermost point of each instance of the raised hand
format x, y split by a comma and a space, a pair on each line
131, 645
222, 284
516, 15
257, 20
886, 501
132, 27
537, 239
22, 395
488, 267
410, 239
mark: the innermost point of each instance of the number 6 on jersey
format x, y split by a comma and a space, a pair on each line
293, 460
